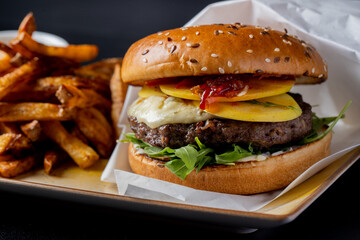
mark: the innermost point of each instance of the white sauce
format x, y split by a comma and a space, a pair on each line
155, 111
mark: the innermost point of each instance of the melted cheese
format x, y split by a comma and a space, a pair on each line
156, 111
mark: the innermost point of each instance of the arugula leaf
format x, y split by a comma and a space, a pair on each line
188, 155
319, 122
228, 158
159, 152
178, 167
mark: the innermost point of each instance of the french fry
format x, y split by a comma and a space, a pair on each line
118, 94
14, 143
28, 24
53, 158
78, 53
83, 155
52, 84
93, 124
71, 96
12, 140
6, 49
19, 76
32, 130
102, 69
75, 131
13, 112
14, 167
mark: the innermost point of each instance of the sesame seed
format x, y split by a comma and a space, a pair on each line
306, 73
160, 33
264, 33
160, 42
193, 60
321, 75
166, 34
229, 64
195, 45
267, 60
313, 70
145, 52
286, 59
214, 55
221, 70
169, 39
249, 51
259, 71
287, 42
285, 30
251, 36
183, 38
145, 60
307, 54
220, 31
216, 32
197, 33
276, 59
204, 69
236, 71
184, 28
232, 33
325, 68
277, 50
172, 49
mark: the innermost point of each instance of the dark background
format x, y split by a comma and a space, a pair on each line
113, 26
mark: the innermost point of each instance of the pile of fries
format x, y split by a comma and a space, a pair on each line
52, 108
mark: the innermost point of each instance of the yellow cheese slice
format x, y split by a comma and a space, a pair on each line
147, 91
270, 109
258, 88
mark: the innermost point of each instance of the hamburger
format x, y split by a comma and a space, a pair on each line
215, 111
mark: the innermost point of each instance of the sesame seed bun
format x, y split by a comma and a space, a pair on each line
242, 178
222, 49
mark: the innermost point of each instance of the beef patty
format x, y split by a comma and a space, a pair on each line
221, 132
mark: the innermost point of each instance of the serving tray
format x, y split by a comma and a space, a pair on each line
78, 185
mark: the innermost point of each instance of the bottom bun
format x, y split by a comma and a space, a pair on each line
242, 178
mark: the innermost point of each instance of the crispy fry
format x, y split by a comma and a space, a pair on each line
21, 75
71, 96
14, 143
118, 94
102, 69
32, 130
52, 84
28, 24
78, 53
53, 158
18, 47
14, 167
12, 112
75, 131
13, 140
5, 62
93, 124
82, 154
6, 49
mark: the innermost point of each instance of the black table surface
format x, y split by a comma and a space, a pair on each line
113, 26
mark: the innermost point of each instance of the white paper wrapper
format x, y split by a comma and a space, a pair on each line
333, 30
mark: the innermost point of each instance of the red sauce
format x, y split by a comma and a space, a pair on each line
213, 86
222, 86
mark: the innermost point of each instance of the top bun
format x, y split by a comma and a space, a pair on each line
221, 49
